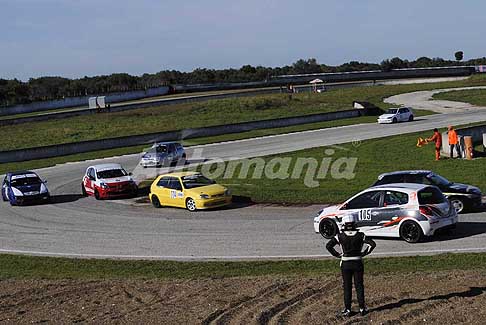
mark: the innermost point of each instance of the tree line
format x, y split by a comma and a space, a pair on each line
13, 92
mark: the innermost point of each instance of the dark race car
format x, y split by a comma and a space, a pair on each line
24, 187
462, 196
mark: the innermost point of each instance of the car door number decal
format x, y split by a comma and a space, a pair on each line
364, 215
173, 194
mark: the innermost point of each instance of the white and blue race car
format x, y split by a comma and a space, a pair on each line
24, 187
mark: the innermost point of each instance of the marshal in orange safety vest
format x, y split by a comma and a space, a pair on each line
453, 142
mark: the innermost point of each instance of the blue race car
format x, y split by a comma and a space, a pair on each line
24, 187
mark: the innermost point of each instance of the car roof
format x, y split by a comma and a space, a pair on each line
181, 174
20, 172
402, 172
407, 187
101, 167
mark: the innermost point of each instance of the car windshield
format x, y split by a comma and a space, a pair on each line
438, 180
392, 111
194, 181
161, 149
112, 173
24, 181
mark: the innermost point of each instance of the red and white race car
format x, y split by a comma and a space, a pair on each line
108, 181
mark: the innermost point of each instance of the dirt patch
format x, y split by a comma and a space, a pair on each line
445, 297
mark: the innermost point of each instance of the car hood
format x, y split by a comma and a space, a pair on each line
330, 210
151, 155
386, 116
212, 189
116, 179
29, 188
464, 188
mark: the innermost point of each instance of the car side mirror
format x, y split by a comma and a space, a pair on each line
44, 181
130, 174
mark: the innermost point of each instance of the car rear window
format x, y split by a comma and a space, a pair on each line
431, 196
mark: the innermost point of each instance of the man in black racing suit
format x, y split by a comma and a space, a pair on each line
352, 242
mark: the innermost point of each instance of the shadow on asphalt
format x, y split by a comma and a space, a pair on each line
64, 198
463, 230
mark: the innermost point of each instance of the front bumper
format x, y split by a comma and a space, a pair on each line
121, 191
150, 163
385, 121
31, 199
213, 202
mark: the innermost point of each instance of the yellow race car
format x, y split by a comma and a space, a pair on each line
190, 190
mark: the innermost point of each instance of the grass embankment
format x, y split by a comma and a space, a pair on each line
474, 96
32, 267
373, 158
213, 112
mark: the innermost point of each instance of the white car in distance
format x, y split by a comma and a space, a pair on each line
395, 115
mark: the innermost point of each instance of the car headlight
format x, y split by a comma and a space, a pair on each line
204, 196
227, 192
104, 185
43, 188
17, 192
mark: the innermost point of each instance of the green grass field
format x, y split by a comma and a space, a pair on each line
373, 157
213, 112
31, 267
474, 96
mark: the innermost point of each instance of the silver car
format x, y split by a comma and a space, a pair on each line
407, 211
163, 154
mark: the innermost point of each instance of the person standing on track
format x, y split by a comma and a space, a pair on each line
352, 242
437, 138
453, 142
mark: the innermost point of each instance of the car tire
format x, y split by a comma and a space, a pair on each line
394, 120
135, 191
97, 195
410, 119
457, 204
156, 202
411, 232
83, 190
328, 228
191, 205
4, 196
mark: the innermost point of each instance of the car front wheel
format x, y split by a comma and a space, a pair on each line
457, 204
328, 228
410, 119
83, 190
411, 232
394, 120
97, 195
191, 205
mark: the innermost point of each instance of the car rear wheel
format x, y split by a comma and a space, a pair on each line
411, 232
410, 119
191, 205
328, 228
97, 195
156, 202
457, 204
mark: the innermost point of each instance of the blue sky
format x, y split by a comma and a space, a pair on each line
74, 38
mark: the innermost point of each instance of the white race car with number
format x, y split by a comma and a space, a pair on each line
407, 211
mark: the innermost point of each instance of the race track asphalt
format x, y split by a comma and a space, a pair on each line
83, 227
